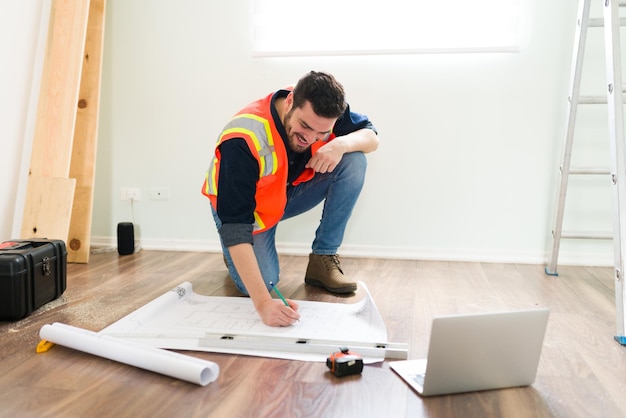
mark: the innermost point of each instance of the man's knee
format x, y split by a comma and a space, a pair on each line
355, 163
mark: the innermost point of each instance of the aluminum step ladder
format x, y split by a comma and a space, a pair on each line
614, 100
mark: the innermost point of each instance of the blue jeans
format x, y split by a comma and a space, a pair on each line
339, 190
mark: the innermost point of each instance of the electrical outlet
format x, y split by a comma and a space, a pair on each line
160, 193
130, 193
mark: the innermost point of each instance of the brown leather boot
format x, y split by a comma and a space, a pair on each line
325, 271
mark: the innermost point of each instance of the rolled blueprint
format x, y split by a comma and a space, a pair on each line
169, 363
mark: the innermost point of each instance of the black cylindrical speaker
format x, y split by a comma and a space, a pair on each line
125, 238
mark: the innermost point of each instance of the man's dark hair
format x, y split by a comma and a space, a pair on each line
323, 91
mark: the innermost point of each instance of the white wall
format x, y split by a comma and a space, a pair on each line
19, 34
470, 143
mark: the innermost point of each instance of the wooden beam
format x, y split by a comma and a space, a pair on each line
49, 200
56, 112
48, 215
83, 162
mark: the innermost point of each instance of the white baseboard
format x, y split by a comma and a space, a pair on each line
362, 251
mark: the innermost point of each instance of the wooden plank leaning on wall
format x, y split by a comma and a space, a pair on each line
59, 195
83, 166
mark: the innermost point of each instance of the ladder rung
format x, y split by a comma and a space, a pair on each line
596, 99
586, 235
598, 22
588, 171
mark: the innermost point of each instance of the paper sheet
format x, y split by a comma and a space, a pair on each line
169, 363
182, 319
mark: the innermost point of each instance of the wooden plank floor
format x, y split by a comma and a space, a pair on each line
582, 372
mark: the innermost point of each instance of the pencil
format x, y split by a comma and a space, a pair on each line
280, 295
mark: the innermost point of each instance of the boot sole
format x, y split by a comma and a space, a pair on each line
349, 288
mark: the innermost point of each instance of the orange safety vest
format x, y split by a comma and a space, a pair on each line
255, 125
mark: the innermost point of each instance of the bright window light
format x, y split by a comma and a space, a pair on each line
349, 27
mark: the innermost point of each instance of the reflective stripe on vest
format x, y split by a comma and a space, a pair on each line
259, 131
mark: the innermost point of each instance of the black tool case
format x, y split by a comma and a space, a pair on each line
32, 273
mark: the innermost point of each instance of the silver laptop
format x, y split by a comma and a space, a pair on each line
478, 352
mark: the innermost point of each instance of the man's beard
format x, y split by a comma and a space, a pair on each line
292, 139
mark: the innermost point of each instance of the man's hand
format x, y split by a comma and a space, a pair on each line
326, 158
330, 154
275, 314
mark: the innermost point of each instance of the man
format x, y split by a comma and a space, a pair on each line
277, 158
